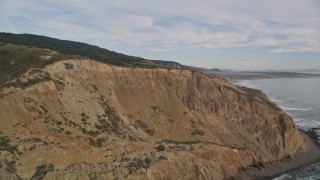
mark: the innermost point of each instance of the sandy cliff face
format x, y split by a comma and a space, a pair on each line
91, 120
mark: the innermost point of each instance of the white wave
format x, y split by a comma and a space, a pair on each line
276, 100
296, 109
306, 124
282, 177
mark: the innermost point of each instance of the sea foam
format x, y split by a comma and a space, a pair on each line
295, 109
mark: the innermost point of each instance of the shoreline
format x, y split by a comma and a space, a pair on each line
275, 169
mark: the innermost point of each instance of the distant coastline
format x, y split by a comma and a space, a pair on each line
248, 75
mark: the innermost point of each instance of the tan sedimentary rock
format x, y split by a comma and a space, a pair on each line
93, 120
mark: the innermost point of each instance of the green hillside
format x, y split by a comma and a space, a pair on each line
75, 48
17, 59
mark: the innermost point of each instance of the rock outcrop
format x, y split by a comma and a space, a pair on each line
89, 120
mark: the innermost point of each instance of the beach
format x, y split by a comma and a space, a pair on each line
275, 169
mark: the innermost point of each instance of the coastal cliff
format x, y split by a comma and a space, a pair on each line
85, 119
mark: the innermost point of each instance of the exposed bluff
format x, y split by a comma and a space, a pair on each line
90, 120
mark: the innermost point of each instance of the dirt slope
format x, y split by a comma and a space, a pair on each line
90, 120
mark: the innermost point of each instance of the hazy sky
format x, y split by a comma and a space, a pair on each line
233, 34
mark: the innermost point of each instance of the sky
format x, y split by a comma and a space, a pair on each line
227, 34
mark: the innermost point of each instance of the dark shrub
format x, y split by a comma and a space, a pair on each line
161, 148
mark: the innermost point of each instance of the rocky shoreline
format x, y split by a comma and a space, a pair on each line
273, 170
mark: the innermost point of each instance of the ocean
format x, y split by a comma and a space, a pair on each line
300, 98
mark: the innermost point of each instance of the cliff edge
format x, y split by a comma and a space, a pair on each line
85, 119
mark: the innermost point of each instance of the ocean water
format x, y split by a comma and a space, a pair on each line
300, 98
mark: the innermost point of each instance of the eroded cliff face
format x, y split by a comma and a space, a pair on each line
88, 120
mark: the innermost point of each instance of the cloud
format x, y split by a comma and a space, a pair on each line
168, 25
297, 49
